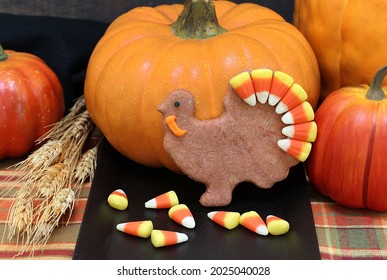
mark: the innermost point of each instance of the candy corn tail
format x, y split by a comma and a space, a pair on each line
300, 150
276, 225
165, 200
299, 114
139, 228
226, 219
160, 238
304, 131
182, 215
252, 221
280, 85
295, 96
243, 86
262, 79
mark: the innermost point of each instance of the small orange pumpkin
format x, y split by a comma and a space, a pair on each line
31, 99
148, 52
348, 160
349, 38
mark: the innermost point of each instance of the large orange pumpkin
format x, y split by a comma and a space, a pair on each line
348, 160
31, 99
349, 38
148, 52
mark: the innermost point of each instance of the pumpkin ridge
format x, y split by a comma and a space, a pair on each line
328, 153
367, 169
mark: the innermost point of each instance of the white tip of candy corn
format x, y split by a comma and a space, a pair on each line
300, 150
161, 238
276, 225
226, 219
251, 100
182, 215
138, 228
165, 200
252, 221
118, 200
262, 96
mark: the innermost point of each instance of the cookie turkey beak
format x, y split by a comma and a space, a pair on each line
174, 127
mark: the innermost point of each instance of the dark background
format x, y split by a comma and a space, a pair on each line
64, 32
107, 10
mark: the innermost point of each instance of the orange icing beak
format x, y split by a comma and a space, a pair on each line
173, 126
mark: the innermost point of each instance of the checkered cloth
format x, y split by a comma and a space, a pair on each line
345, 233
342, 233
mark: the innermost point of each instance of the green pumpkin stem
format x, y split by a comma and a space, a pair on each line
375, 92
3, 55
197, 20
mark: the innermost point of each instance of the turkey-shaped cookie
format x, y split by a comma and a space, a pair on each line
265, 128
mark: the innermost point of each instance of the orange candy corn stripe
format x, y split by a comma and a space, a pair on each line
262, 83
139, 228
118, 200
243, 86
226, 219
252, 221
296, 148
182, 215
165, 200
299, 114
295, 96
280, 85
303, 131
161, 238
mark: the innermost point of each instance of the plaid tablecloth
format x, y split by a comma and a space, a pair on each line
343, 233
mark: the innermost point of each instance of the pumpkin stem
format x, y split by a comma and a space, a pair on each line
3, 55
375, 92
197, 20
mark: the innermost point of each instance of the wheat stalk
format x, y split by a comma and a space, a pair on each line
85, 168
52, 177
65, 123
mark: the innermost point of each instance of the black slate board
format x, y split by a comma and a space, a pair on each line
99, 239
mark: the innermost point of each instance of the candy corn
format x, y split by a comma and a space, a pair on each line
243, 86
299, 114
300, 150
280, 84
226, 219
182, 215
165, 200
139, 228
262, 82
118, 200
276, 225
295, 96
303, 131
252, 221
160, 238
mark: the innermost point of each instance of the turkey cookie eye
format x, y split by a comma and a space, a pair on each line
177, 104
